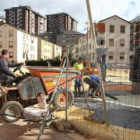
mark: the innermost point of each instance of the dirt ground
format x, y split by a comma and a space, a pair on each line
19, 131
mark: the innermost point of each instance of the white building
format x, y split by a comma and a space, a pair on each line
84, 47
114, 33
21, 46
57, 51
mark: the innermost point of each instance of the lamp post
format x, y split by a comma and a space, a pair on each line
87, 57
87, 38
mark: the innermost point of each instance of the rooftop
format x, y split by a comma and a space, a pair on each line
24, 7
63, 13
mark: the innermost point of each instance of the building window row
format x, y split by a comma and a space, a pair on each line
112, 29
10, 44
111, 56
122, 42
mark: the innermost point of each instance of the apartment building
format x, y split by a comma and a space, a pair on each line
114, 33
57, 51
60, 22
21, 45
48, 50
24, 18
134, 33
64, 39
49, 36
83, 47
68, 39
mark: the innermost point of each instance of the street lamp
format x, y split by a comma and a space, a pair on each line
87, 37
87, 57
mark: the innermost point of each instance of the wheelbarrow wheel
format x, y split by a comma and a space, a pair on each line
60, 98
10, 109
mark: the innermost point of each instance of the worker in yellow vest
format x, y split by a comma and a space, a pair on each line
78, 66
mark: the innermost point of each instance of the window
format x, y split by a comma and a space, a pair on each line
122, 56
111, 55
30, 47
10, 44
122, 42
10, 33
10, 54
0, 33
111, 28
111, 42
122, 29
90, 46
101, 41
0, 44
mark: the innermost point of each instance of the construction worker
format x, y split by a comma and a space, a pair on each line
93, 82
78, 66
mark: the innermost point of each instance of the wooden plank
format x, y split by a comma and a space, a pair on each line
89, 118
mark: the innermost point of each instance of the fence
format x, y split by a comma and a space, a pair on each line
122, 82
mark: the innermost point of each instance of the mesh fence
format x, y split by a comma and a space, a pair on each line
123, 104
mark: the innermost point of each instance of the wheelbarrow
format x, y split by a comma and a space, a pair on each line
40, 79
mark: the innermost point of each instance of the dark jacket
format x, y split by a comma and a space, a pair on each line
5, 67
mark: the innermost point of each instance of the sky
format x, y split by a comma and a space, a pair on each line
100, 9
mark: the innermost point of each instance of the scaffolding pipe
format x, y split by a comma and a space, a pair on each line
96, 62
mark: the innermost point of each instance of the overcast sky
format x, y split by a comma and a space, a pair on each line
101, 9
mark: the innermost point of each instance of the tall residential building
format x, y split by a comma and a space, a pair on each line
68, 39
24, 18
114, 33
135, 33
60, 22
64, 39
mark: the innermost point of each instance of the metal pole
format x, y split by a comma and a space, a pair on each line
67, 84
97, 64
5, 40
52, 98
